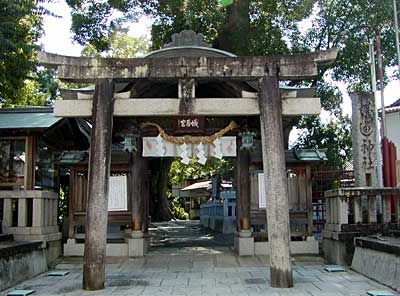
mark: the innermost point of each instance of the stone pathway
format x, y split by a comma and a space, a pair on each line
186, 234
185, 259
202, 271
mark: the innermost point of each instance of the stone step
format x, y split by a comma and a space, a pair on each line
6, 237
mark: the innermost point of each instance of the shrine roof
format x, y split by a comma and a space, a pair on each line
198, 185
308, 155
188, 51
27, 118
394, 107
188, 43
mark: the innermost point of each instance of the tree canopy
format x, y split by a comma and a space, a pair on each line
121, 45
179, 171
21, 83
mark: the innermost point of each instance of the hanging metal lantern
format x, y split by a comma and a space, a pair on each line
247, 140
130, 142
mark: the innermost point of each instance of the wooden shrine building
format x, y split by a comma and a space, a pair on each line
31, 140
186, 100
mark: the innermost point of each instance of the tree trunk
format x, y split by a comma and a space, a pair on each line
165, 213
159, 204
99, 174
234, 36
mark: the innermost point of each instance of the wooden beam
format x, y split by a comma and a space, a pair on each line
290, 67
99, 175
275, 183
207, 107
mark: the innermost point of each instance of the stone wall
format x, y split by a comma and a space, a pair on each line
21, 262
379, 261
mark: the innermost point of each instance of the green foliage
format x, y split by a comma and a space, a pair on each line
20, 27
245, 27
121, 45
194, 170
334, 135
204, 17
178, 211
93, 21
40, 88
349, 25
62, 205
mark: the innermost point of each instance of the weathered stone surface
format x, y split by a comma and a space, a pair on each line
291, 67
387, 245
339, 252
99, 173
245, 246
170, 106
309, 247
275, 183
363, 134
21, 262
380, 266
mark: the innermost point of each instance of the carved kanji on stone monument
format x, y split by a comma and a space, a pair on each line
363, 132
367, 148
366, 116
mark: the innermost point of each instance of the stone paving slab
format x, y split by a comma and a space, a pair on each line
210, 273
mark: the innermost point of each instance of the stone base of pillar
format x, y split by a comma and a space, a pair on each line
137, 247
72, 248
244, 243
137, 244
308, 247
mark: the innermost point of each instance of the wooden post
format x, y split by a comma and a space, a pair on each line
71, 204
145, 192
275, 182
99, 175
136, 168
238, 192
309, 201
244, 184
29, 180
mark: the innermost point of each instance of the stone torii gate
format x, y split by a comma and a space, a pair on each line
267, 71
